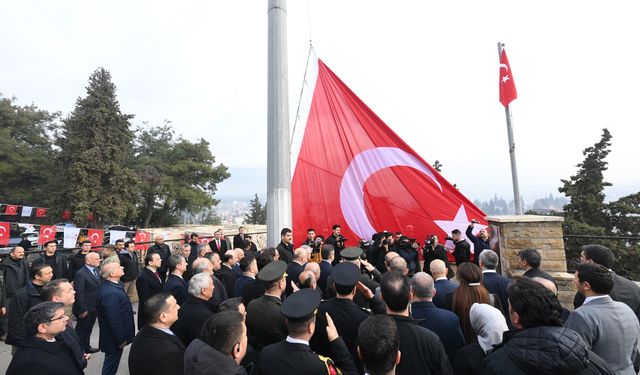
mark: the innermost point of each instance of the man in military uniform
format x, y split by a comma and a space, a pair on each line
293, 355
368, 278
346, 315
265, 324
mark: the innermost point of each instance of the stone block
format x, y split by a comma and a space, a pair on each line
553, 265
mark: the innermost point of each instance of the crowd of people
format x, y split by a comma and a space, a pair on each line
390, 306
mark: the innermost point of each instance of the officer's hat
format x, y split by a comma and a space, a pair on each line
272, 271
301, 305
351, 253
345, 274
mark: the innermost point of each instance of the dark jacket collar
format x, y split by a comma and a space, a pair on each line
424, 305
404, 319
37, 343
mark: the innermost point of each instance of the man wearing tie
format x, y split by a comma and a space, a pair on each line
149, 283
218, 245
86, 284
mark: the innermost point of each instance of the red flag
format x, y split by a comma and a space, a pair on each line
47, 233
66, 215
142, 236
507, 85
11, 210
41, 212
5, 234
96, 237
353, 170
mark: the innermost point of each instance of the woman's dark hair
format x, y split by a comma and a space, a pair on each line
466, 295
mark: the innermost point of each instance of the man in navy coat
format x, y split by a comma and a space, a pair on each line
328, 254
495, 283
443, 285
86, 284
115, 317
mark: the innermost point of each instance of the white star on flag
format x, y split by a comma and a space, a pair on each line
460, 222
505, 78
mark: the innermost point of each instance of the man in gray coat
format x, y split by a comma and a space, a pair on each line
609, 327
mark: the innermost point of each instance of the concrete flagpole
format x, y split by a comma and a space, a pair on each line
278, 137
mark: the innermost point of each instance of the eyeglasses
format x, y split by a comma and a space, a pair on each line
59, 318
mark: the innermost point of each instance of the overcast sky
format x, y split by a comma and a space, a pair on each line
428, 69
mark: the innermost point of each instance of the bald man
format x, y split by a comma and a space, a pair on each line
296, 267
443, 285
86, 284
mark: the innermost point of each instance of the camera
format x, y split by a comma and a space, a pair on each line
474, 221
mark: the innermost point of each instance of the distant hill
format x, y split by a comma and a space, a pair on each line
243, 184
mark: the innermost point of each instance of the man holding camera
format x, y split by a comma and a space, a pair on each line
337, 241
480, 242
462, 251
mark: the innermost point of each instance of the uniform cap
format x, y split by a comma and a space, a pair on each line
345, 274
351, 253
301, 305
272, 271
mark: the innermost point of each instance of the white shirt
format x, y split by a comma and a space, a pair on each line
296, 341
488, 271
589, 299
442, 278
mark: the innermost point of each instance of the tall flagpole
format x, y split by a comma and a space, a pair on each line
512, 149
278, 137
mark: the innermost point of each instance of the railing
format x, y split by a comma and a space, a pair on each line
625, 248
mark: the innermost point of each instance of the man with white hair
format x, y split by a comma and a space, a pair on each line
495, 283
443, 285
443, 323
196, 310
86, 283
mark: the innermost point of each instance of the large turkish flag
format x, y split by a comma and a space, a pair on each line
353, 170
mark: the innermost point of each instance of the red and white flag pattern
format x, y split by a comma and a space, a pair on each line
96, 237
507, 85
47, 233
5, 233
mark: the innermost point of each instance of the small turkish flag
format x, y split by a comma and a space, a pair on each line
41, 212
11, 210
507, 85
47, 233
66, 215
4, 234
142, 236
95, 236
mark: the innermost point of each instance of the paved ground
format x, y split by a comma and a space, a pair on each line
95, 363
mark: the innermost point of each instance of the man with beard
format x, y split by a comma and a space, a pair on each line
480, 242
285, 247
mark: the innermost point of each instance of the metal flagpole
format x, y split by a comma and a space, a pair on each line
512, 149
278, 143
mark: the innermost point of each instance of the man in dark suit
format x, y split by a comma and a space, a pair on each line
337, 241
86, 284
285, 247
77, 260
294, 355
115, 317
480, 241
443, 285
249, 268
227, 275
495, 283
265, 323
155, 349
176, 285
161, 248
624, 290
148, 283
57, 261
195, 311
194, 247
443, 323
129, 260
218, 244
295, 268
327, 253
238, 239
530, 262
462, 251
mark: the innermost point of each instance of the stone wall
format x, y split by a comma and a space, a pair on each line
510, 234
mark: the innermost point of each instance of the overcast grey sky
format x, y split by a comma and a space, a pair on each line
428, 69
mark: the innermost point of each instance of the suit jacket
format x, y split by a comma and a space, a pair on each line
325, 271
443, 288
293, 274
238, 241
147, 285
443, 323
76, 262
228, 278
241, 284
610, 330
72, 341
129, 261
177, 286
537, 272
201, 359
497, 285
115, 316
36, 356
264, 321
164, 252
624, 290
289, 358
219, 293
86, 286
191, 317
214, 247
155, 352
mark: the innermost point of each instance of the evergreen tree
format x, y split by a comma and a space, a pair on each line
257, 213
94, 145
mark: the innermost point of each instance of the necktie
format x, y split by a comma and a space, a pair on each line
158, 277
218, 244
95, 274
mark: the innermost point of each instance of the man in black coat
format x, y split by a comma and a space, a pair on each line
39, 352
15, 271
194, 247
129, 261
76, 262
480, 242
228, 276
86, 284
443, 285
115, 317
155, 350
624, 290
293, 355
149, 283
218, 244
530, 262
25, 298
462, 251
238, 239
249, 268
346, 315
495, 283
57, 261
295, 268
161, 248
422, 349
326, 268
176, 285
285, 247
337, 241
195, 311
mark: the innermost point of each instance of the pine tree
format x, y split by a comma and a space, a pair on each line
257, 213
95, 142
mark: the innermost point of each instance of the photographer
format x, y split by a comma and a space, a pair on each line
407, 248
431, 251
480, 242
387, 244
337, 241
